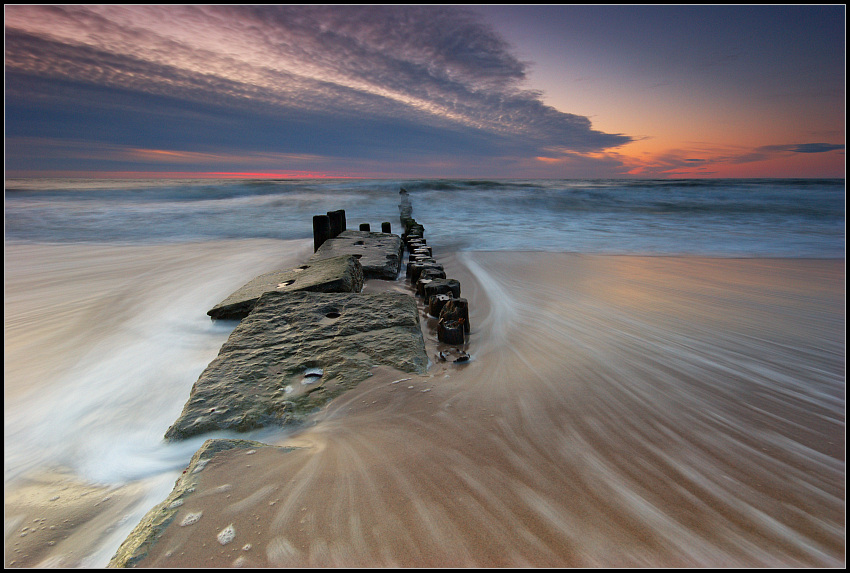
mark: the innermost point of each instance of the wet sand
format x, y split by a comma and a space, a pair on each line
101, 345
618, 411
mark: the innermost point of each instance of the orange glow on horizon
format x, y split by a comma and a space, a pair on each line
728, 161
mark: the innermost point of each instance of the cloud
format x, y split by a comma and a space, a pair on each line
766, 152
79, 155
803, 147
714, 158
85, 150
434, 72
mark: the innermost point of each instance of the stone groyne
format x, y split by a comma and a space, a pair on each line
305, 336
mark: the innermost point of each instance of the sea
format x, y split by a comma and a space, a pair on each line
715, 217
107, 284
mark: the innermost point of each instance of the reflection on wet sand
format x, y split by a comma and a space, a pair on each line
618, 411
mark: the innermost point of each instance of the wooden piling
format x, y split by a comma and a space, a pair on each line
321, 230
337, 219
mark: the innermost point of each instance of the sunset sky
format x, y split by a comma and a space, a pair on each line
425, 91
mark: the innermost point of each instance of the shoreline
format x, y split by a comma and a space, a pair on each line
538, 453
451, 468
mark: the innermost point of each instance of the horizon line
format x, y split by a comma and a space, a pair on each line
237, 175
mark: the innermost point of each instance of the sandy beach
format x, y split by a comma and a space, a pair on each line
98, 339
617, 411
225, 227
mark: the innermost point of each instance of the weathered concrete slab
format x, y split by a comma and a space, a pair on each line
178, 503
266, 372
380, 254
334, 274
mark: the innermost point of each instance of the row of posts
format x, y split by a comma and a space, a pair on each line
385, 227
441, 295
329, 226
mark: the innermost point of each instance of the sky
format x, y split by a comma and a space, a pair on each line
425, 91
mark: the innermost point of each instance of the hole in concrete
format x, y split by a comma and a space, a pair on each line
333, 314
359, 243
311, 376
303, 267
286, 283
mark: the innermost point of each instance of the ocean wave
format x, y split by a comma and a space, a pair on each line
712, 217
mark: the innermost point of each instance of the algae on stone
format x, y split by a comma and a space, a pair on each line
262, 375
336, 274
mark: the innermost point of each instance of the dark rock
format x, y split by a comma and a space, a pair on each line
432, 272
386, 227
410, 267
453, 355
412, 229
419, 268
416, 230
420, 258
260, 376
441, 285
457, 309
422, 263
450, 331
365, 227
436, 303
420, 286
462, 357
337, 274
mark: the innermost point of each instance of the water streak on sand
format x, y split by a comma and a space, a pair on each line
620, 412
102, 344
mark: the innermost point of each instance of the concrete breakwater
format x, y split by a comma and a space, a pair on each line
305, 336
294, 352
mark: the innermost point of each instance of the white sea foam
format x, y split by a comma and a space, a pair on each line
83, 324
191, 518
226, 535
